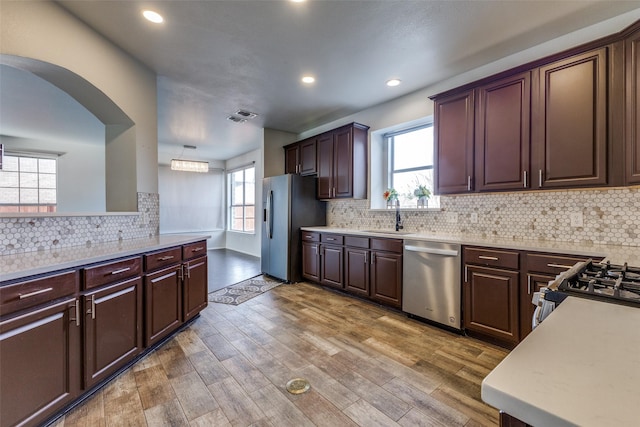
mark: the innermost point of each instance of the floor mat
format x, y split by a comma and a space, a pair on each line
244, 291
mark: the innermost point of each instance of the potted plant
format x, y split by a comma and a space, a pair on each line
423, 194
391, 196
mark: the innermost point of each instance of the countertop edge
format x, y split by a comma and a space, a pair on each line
137, 246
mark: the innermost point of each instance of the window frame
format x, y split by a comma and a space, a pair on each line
389, 152
244, 205
37, 207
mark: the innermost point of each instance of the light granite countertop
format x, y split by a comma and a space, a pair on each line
614, 253
31, 263
578, 367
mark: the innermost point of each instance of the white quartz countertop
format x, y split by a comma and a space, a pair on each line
581, 366
615, 253
31, 263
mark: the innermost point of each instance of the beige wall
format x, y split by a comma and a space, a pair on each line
46, 32
272, 150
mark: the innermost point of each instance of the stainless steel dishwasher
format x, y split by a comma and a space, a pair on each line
431, 282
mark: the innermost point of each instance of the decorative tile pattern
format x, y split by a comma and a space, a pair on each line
611, 216
29, 234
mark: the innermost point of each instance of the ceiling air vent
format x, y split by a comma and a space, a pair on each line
236, 119
246, 114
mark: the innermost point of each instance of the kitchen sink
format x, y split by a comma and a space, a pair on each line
387, 232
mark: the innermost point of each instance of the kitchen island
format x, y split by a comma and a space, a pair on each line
579, 367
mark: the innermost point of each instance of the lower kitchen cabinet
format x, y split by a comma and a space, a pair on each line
331, 266
491, 302
40, 362
356, 273
386, 278
163, 303
311, 261
196, 287
113, 329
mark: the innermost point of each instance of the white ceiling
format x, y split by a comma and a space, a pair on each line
214, 57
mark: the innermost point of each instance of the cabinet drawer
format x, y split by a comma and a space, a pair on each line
356, 242
310, 236
111, 272
194, 250
334, 239
390, 245
30, 293
163, 258
492, 257
552, 264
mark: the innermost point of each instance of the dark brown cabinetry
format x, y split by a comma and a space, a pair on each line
162, 295
454, 125
632, 135
39, 348
571, 122
502, 141
300, 157
195, 287
491, 281
342, 162
112, 328
362, 266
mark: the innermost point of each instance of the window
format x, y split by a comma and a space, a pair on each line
411, 164
242, 184
28, 184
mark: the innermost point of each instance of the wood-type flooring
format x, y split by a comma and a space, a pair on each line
367, 366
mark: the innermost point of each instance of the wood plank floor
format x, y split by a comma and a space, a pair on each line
367, 365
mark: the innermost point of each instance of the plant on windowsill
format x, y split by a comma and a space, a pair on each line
423, 194
391, 196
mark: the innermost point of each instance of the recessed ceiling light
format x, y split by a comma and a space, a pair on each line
152, 16
393, 82
298, 1
308, 79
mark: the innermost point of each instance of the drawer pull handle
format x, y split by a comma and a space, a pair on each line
122, 270
198, 249
308, 236
34, 293
559, 266
165, 258
330, 239
490, 258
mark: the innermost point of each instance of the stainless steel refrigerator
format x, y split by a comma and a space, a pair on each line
288, 203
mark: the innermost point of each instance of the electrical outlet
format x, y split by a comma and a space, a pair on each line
577, 219
145, 218
452, 217
474, 217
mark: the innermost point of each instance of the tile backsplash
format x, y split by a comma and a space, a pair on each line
610, 216
40, 233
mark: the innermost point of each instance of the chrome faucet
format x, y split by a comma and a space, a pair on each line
398, 219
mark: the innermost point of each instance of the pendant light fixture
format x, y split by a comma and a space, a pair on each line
189, 165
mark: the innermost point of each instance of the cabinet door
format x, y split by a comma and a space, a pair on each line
570, 124
356, 271
195, 287
633, 109
343, 162
386, 278
291, 162
533, 283
454, 143
325, 166
113, 329
331, 266
310, 261
491, 302
307, 156
163, 303
502, 139
39, 363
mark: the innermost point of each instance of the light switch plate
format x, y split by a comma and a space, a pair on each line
577, 219
452, 217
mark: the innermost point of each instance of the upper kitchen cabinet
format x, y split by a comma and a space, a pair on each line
632, 137
454, 125
342, 162
300, 157
569, 131
502, 142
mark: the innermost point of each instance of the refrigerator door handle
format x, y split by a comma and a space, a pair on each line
270, 223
